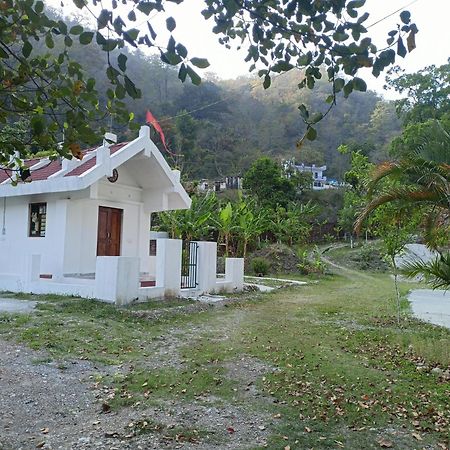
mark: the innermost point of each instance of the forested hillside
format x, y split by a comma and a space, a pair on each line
220, 127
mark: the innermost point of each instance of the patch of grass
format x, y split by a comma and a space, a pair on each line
172, 433
364, 256
142, 385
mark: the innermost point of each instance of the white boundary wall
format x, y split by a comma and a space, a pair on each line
117, 277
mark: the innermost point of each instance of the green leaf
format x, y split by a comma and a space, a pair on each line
181, 50
27, 49
120, 91
171, 24
401, 50
103, 18
122, 62
304, 112
76, 30
171, 58
340, 37
86, 37
39, 7
182, 72
68, 41
195, 78
131, 88
405, 16
145, 7
37, 125
267, 81
311, 134
49, 41
348, 88
80, 4
359, 84
201, 63
356, 4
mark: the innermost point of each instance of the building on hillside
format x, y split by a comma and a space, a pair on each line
231, 182
319, 180
234, 182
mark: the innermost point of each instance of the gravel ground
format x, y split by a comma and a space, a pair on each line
59, 406
10, 305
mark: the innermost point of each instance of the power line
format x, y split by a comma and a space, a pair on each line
392, 13
218, 101
261, 83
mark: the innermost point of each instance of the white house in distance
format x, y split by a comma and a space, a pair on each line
319, 180
82, 227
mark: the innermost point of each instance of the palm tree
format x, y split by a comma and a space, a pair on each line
423, 179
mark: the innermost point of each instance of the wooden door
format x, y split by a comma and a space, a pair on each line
109, 231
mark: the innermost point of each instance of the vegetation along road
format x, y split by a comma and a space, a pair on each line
317, 366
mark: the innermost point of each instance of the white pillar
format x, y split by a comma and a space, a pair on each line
207, 266
168, 266
117, 279
234, 273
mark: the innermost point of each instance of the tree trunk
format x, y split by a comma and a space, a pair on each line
397, 292
244, 251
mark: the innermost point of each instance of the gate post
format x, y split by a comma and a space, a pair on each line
168, 266
117, 279
207, 266
234, 273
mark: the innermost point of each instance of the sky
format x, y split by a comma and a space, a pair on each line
431, 17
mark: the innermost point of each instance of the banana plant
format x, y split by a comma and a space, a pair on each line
226, 225
252, 222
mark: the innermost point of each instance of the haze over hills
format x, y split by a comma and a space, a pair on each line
220, 127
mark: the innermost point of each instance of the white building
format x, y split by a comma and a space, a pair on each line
82, 227
319, 180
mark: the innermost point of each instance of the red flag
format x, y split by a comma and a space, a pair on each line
150, 119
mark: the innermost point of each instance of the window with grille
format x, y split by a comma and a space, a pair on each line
38, 219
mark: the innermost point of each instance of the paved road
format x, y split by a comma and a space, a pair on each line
431, 306
10, 305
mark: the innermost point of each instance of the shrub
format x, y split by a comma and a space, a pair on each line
369, 257
311, 262
260, 266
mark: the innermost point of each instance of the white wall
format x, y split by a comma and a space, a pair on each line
70, 244
15, 244
82, 225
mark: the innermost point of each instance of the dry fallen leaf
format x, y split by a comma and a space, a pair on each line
40, 445
308, 430
230, 430
105, 407
44, 430
417, 436
288, 447
385, 443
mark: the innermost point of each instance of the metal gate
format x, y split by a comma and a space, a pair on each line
189, 259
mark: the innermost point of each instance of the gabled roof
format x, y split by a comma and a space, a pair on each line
73, 175
43, 168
